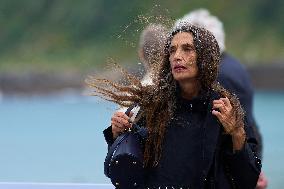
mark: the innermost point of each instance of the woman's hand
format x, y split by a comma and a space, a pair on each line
224, 111
120, 123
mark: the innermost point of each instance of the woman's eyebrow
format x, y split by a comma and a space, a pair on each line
183, 45
172, 47
188, 45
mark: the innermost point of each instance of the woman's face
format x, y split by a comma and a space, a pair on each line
183, 57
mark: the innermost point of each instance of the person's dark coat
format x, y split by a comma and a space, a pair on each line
197, 154
234, 77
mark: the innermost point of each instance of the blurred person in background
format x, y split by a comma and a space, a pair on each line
233, 76
150, 51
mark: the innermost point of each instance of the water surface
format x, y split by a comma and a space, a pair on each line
59, 138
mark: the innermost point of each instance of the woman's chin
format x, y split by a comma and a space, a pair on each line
180, 76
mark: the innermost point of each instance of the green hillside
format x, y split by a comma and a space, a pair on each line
72, 35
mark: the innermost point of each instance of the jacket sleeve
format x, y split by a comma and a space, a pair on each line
108, 136
243, 167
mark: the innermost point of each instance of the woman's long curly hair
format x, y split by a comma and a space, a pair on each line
159, 101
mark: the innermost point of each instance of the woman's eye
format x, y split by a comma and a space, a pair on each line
171, 51
188, 49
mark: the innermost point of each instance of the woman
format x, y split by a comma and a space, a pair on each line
197, 134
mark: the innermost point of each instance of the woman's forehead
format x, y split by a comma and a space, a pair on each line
182, 38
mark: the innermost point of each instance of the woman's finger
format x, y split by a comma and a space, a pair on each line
218, 115
220, 107
117, 130
124, 116
121, 114
124, 119
218, 102
226, 101
117, 124
121, 121
222, 120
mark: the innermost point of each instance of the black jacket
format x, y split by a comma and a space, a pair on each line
212, 164
234, 77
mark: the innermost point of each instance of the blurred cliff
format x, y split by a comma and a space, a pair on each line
47, 45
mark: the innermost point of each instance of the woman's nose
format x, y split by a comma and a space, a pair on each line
178, 55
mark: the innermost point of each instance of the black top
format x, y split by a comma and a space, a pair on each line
182, 148
196, 151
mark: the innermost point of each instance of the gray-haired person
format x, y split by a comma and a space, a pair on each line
151, 52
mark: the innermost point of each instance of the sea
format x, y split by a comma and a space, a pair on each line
58, 140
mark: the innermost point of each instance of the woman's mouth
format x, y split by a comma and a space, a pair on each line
179, 68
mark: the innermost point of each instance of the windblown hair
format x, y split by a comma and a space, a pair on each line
159, 101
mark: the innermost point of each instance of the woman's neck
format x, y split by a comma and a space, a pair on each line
189, 89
